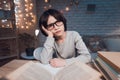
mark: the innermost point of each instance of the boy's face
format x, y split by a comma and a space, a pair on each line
56, 27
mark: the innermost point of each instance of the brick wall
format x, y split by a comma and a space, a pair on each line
104, 21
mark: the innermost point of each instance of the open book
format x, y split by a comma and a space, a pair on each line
38, 71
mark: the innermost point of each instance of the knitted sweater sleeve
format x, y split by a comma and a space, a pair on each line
83, 53
47, 51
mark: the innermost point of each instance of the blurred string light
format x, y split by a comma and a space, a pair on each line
67, 8
5, 4
74, 2
5, 7
47, 1
24, 13
48, 4
71, 4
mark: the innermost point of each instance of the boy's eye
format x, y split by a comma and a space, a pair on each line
50, 25
56, 23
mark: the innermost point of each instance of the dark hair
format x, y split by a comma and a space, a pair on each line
56, 14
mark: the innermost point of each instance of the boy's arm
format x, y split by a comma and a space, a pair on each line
82, 51
47, 51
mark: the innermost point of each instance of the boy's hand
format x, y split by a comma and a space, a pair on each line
49, 33
57, 62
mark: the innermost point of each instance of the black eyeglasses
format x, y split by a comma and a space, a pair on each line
52, 25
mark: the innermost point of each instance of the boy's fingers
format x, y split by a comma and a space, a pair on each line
44, 28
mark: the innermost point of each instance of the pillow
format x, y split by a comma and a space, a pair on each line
37, 52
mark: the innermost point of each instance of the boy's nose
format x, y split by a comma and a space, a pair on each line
55, 26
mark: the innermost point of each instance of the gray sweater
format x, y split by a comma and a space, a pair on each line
72, 49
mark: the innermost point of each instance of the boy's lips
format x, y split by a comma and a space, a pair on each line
57, 31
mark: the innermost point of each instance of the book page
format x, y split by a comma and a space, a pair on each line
49, 68
78, 71
30, 71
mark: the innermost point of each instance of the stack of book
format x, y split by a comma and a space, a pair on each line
110, 63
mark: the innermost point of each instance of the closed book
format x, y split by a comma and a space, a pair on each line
111, 58
113, 74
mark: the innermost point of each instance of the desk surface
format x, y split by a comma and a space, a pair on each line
11, 66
